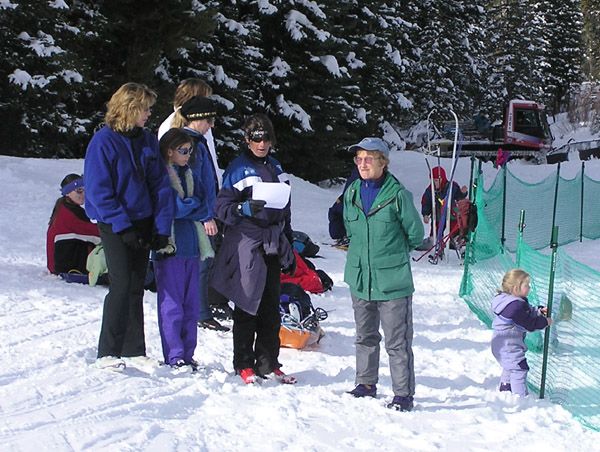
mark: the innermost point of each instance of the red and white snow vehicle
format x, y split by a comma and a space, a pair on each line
524, 133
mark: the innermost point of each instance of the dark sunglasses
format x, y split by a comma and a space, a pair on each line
259, 135
185, 151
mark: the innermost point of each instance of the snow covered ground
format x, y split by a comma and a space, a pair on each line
52, 399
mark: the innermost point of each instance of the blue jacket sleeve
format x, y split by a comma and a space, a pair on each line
228, 199
426, 202
524, 315
188, 209
160, 189
210, 189
102, 203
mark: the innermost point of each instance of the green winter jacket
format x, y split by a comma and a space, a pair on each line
378, 262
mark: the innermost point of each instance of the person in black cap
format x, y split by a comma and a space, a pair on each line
71, 236
199, 113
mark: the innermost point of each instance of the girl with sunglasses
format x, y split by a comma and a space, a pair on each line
71, 236
177, 266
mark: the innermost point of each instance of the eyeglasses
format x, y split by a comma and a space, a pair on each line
185, 151
368, 159
257, 136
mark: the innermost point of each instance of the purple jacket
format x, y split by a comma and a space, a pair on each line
511, 311
240, 271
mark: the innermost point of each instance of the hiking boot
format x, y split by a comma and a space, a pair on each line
362, 390
248, 375
110, 363
194, 365
142, 362
212, 324
178, 364
401, 403
505, 387
283, 378
222, 312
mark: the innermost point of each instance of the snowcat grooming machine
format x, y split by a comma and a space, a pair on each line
524, 133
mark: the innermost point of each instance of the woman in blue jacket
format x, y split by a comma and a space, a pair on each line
129, 195
256, 247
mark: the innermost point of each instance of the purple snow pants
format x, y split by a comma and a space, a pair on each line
177, 286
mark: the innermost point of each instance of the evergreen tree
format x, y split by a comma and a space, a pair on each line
452, 56
562, 58
42, 81
591, 38
515, 45
143, 39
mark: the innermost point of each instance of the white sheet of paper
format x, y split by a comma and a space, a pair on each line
276, 194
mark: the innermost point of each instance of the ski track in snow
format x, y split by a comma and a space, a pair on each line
52, 399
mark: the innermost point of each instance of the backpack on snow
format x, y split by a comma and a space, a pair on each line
466, 216
304, 245
307, 276
299, 319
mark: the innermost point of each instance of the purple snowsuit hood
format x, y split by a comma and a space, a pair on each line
499, 303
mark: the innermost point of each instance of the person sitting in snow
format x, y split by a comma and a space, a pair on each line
440, 183
513, 318
71, 236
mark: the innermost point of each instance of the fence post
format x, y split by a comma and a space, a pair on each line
555, 201
470, 235
520, 240
581, 206
554, 246
503, 238
471, 176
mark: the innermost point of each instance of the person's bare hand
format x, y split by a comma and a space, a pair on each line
210, 227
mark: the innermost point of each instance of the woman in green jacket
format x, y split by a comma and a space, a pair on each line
383, 226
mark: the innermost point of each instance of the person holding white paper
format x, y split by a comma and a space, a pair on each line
256, 248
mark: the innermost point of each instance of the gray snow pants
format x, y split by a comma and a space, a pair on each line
395, 317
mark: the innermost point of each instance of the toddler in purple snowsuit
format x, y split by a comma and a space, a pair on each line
514, 316
176, 266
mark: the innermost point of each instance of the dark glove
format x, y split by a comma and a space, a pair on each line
290, 269
250, 207
159, 241
131, 238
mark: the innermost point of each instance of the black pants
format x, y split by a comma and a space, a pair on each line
215, 299
122, 331
256, 337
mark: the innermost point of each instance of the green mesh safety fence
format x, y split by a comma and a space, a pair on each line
591, 219
573, 359
554, 201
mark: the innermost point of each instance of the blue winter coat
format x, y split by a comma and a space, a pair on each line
189, 210
126, 180
240, 270
204, 170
